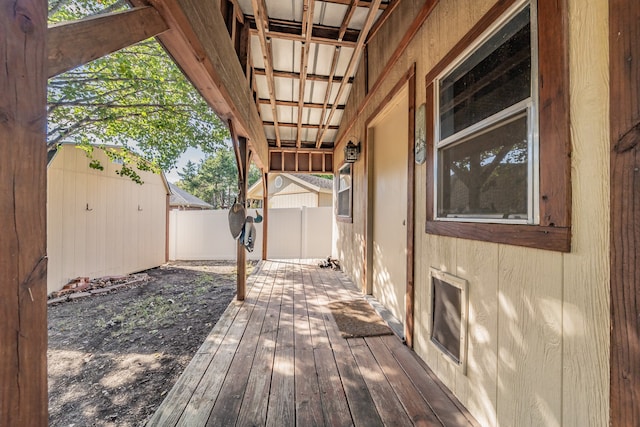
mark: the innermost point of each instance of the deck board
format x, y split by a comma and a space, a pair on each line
278, 359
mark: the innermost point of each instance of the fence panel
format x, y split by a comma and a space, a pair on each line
293, 233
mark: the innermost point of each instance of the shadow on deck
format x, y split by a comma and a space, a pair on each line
278, 359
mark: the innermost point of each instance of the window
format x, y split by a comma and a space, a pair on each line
498, 131
344, 192
485, 128
449, 316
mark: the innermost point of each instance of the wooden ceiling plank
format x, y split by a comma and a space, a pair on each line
375, 4
262, 23
307, 26
75, 43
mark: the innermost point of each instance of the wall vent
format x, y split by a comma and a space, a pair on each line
449, 313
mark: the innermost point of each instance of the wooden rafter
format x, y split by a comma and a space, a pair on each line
298, 125
292, 30
295, 104
314, 39
363, 3
293, 75
262, 22
373, 10
307, 27
334, 64
237, 11
75, 43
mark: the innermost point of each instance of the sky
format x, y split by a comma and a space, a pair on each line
193, 154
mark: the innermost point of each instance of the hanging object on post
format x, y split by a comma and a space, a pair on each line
237, 216
248, 235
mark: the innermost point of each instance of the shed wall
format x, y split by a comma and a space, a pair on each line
101, 224
538, 320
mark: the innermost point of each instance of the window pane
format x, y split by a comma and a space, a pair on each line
345, 178
494, 77
486, 175
344, 200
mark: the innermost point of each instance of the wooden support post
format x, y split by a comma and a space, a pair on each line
624, 51
23, 160
265, 214
243, 160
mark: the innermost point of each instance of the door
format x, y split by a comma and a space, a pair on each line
388, 136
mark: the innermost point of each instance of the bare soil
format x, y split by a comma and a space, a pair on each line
113, 358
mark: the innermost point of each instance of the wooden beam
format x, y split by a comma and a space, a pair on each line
198, 41
307, 28
411, 176
334, 65
299, 125
298, 38
72, 44
295, 104
241, 253
265, 214
624, 51
23, 207
352, 65
262, 22
292, 75
362, 3
321, 34
237, 10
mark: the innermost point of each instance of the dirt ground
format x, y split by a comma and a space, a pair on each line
113, 358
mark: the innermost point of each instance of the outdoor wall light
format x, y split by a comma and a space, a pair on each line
351, 152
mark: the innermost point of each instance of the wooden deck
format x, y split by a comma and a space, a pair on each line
278, 359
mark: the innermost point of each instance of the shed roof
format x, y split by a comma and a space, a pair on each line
184, 199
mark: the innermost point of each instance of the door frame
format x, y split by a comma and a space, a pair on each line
408, 79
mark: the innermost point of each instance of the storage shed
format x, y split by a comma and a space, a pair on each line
100, 223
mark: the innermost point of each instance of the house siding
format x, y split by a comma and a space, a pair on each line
123, 232
538, 339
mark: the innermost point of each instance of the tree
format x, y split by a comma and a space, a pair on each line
136, 98
216, 178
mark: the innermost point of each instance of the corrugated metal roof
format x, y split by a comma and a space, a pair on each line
311, 47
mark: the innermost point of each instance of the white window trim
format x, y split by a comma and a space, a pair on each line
530, 105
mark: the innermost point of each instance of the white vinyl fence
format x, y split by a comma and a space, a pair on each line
293, 233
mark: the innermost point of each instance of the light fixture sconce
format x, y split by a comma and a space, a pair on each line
351, 151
